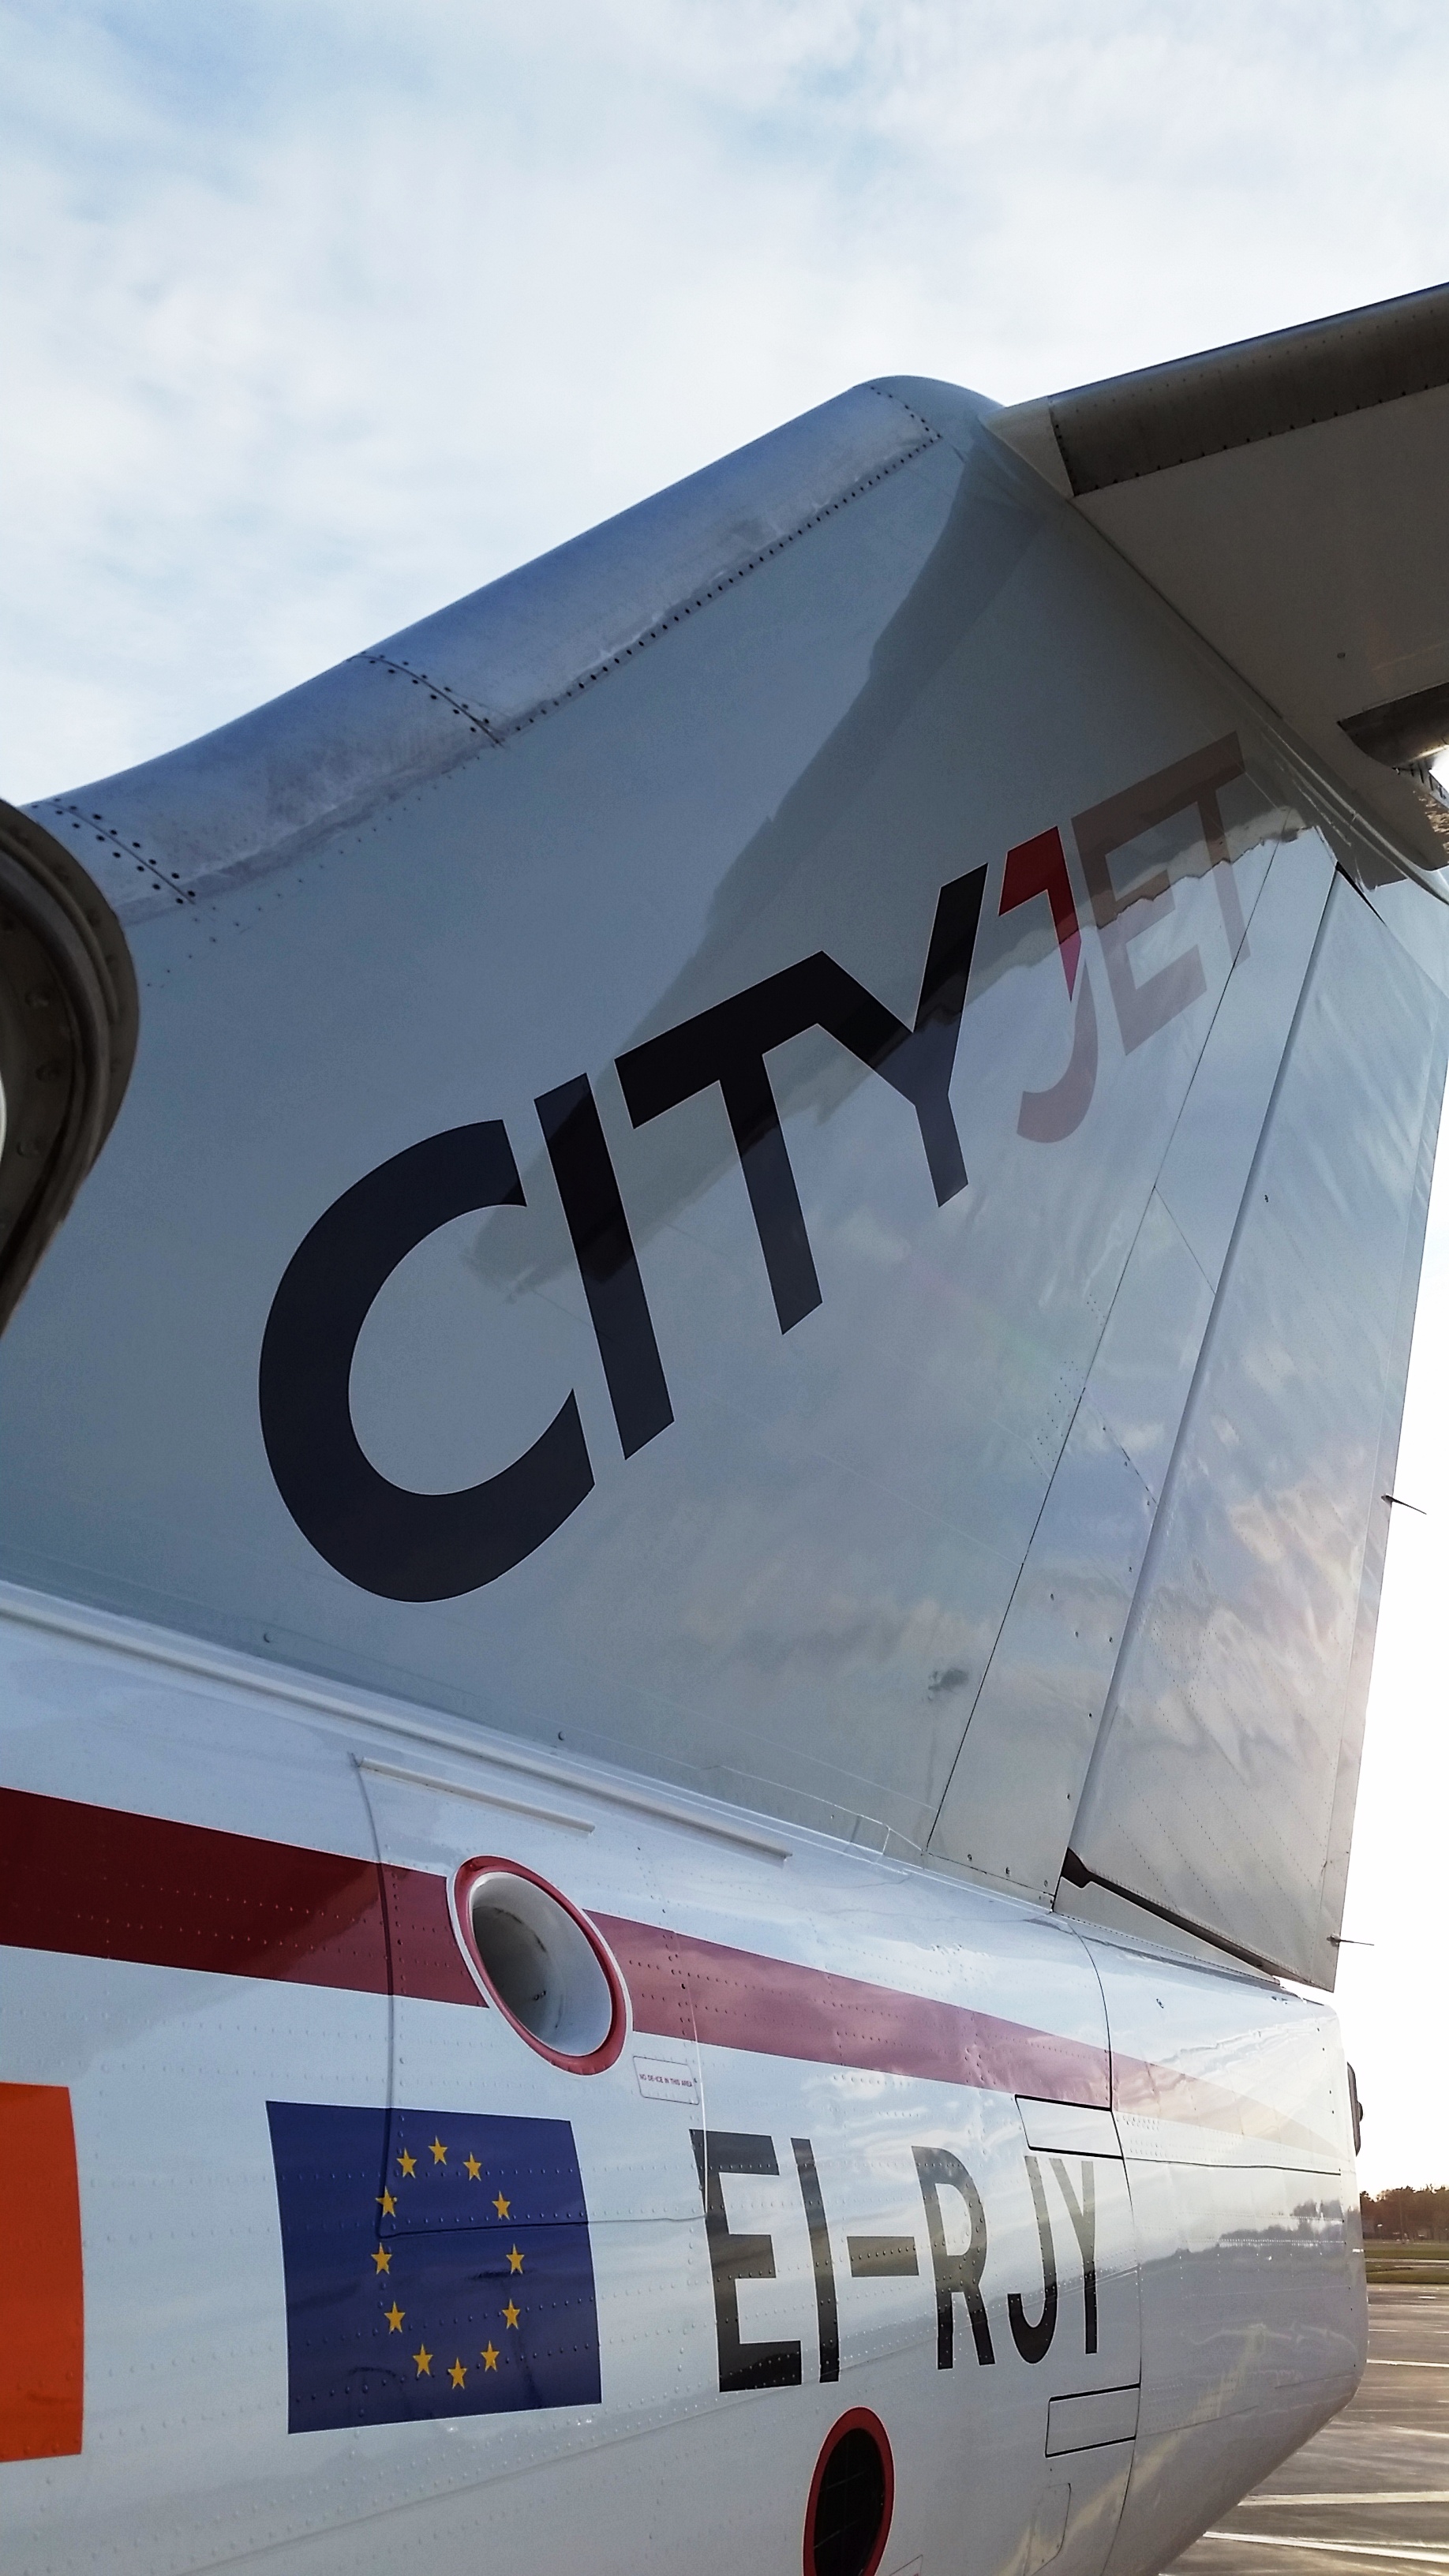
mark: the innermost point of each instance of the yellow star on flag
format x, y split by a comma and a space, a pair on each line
501, 2206
490, 2357
510, 2314
389, 2205
458, 2373
515, 2259
409, 2163
424, 2360
394, 2316
474, 2169
382, 2259
439, 2152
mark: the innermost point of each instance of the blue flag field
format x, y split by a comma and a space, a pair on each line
436, 2263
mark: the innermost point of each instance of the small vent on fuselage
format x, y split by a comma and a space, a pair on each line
543, 1964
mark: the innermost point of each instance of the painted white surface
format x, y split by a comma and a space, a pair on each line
187, 2463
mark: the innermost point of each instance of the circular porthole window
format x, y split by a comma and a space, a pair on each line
851, 2497
542, 1964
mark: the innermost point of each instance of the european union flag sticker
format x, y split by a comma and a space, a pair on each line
436, 2263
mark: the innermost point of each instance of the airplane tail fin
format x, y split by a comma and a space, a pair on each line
790, 1148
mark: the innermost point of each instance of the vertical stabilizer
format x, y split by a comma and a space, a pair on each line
790, 1149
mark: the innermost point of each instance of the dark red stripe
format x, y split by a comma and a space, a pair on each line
740, 1999
426, 1959
104, 1884
110, 1885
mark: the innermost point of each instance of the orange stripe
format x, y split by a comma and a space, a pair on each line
42, 2300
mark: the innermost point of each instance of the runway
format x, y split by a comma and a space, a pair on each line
1371, 2491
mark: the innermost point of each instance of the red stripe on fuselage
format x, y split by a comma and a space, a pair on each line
683, 1988
102, 1883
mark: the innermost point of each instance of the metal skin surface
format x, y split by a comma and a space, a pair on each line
1306, 1357
460, 684
1230, 2110
758, 1262
841, 1512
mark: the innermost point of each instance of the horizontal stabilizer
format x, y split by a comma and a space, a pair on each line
1290, 497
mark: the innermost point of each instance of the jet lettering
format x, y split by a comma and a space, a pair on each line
406, 1546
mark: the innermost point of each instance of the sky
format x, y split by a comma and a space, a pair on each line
320, 313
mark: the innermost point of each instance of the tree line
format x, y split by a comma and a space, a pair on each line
1407, 2210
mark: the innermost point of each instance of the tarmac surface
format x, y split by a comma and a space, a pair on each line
1371, 2491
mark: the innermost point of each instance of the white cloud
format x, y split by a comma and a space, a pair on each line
323, 313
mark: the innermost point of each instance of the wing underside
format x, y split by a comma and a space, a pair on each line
1288, 497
